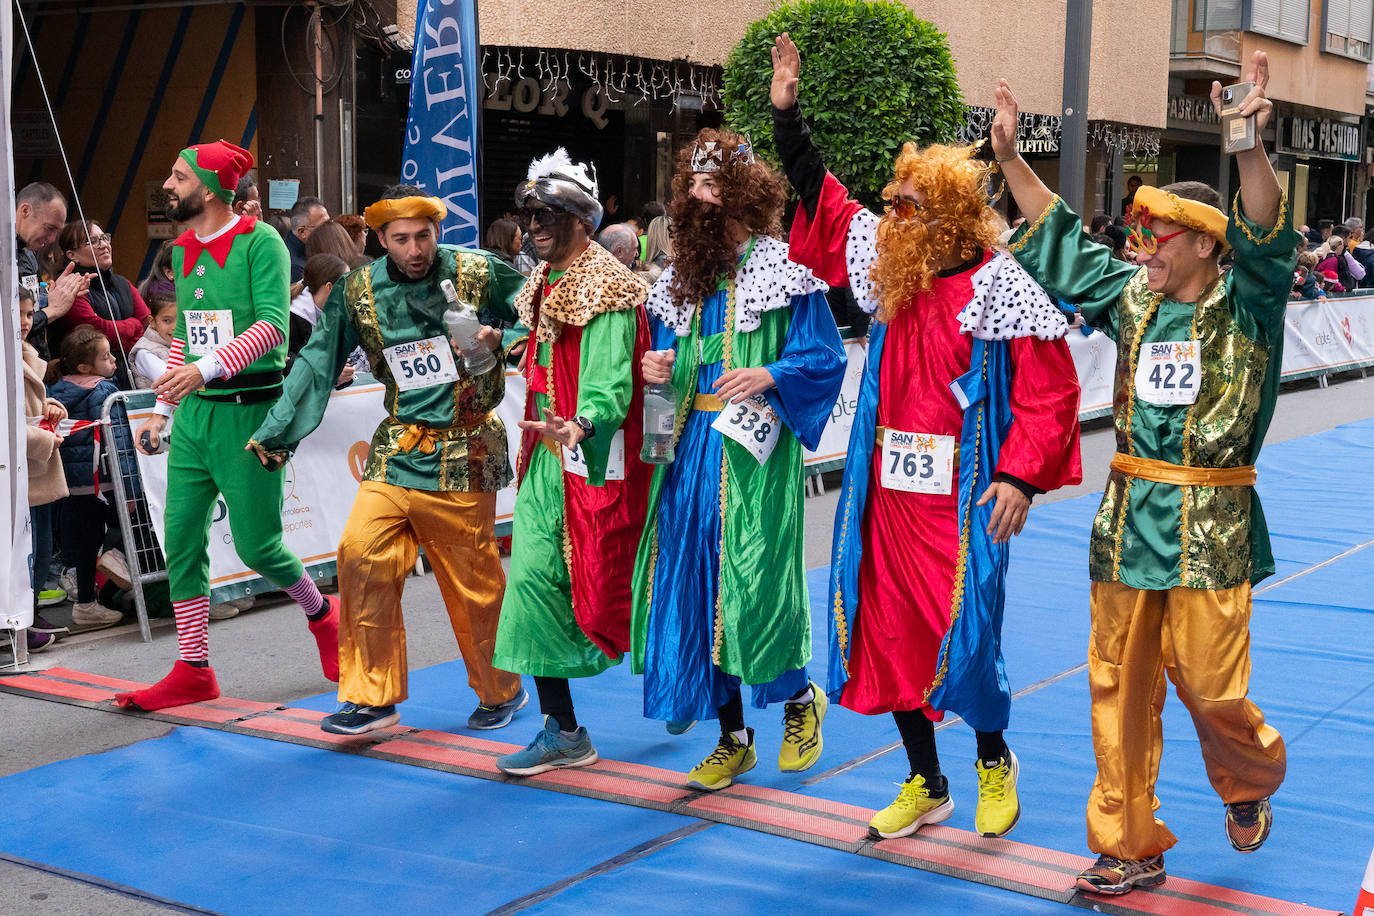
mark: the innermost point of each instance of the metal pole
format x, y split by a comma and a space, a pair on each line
1073, 138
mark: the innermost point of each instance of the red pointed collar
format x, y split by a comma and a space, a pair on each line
219, 248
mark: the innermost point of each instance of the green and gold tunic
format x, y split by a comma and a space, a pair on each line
443, 437
1151, 535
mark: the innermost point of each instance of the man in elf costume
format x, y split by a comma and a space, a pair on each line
1180, 537
748, 341
434, 465
583, 491
225, 370
968, 407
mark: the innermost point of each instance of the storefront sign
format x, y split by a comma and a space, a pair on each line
1326, 137
1192, 109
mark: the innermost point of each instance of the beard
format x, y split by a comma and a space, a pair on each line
704, 250
909, 256
186, 208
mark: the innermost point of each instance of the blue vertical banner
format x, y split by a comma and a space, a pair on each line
443, 138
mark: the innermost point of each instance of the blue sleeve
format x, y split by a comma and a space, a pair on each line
664, 337
810, 371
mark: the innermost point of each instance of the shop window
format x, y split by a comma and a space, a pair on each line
1349, 27
1286, 19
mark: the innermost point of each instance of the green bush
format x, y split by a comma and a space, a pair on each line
873, 76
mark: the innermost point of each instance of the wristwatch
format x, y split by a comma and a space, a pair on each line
588, 430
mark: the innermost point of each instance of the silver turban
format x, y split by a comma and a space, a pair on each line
555, 181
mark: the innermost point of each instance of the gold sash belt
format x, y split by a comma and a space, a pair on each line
423, 437
1181, 476
708, 402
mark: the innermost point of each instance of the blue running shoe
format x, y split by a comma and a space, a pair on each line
549, 750
680, 728
500, 714
352, 719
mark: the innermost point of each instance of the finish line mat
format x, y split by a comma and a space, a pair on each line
1005, 864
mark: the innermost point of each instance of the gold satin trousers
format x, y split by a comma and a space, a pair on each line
377, 552
1201, 639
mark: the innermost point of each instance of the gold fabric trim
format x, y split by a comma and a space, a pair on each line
1191, 214
708, 403
1245, 230
1035, 226
1182, 475
384, 211
718, 631
961, 561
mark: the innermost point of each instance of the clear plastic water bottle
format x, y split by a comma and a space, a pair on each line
660, 414
463, 327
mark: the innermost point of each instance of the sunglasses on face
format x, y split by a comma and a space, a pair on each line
904, 207
546, 216
1142, 237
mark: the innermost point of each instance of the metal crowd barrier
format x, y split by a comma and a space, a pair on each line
145, 558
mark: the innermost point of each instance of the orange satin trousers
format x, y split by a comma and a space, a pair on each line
377, 552
1201, 639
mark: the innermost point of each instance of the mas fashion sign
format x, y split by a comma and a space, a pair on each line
442, 126
1327, 137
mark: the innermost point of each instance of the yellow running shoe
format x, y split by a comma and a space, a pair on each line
914, 808
728, 760
998, 806
801, 732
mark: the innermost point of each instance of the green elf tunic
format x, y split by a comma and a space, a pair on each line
224, 286
1151, 535
578, 513
442, 437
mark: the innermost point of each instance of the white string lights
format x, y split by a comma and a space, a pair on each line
629, 80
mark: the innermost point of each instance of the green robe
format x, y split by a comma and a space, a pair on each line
368, 308
539, 634
1150, 535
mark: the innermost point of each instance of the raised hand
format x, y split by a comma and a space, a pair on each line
563, 431
786, 72
1257, 102
1004, 123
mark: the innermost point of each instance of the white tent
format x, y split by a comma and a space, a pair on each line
16, 601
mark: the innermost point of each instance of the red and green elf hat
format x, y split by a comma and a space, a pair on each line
219, 165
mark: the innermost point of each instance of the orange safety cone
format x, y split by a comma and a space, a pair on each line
1364, 904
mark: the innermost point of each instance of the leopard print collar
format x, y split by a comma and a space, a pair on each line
594, 283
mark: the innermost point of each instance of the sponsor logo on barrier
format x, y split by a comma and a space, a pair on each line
357, 459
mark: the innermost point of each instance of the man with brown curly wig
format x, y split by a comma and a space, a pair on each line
746, 338
968, 407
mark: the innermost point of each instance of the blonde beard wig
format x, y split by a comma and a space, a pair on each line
956, 219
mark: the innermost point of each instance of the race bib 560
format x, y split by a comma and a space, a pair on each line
421, 363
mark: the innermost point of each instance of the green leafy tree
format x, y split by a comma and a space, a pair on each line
873, 77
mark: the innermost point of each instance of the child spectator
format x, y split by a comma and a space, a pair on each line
46, 481
87, 367
1305, 285
308, 296
149, 355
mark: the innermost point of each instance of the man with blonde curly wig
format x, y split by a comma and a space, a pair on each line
968, 407
748, 341
1180, 537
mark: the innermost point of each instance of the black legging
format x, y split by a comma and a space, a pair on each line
918, 738
555, 700
84, 519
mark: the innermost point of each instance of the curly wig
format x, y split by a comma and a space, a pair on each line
752, 196
956, 219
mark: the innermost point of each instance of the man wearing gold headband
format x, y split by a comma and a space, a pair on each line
434, 466
1180, 537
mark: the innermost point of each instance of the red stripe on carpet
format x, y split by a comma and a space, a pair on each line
471, 742
797, 821
809, 802
1241, 898
50, 687
978, 863
277, 724
94, 679
596, 779
453, 756
1067, 861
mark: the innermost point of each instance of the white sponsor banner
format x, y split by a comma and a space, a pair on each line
1325, 335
